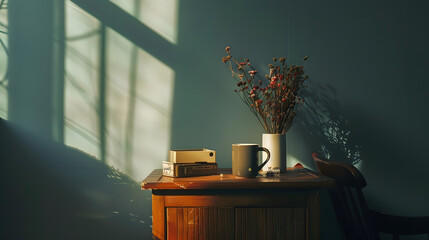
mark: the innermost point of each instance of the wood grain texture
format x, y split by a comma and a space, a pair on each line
180, 225
313, 216
304, 230
282, 199
250, 208
293, 178
270, 223
158, 213
237, 222
229, 223
200, 223
290, 227
191, 223
172, 231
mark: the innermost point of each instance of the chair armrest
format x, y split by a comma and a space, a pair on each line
400, 225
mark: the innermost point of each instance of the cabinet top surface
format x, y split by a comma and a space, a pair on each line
294, 178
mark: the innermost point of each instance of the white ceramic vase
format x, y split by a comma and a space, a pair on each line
276, 144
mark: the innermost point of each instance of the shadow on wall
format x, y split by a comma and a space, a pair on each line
348, 134
50, 191
394, 167
324, 120
328, 130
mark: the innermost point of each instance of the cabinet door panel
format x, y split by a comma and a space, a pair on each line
200, 223
235, 223
270, 223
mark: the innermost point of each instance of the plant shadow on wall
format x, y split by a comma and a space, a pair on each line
324, 120
50, 191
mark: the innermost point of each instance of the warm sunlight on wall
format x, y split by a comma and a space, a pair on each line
161, 16
3, 61
139, 98
81, 81
138, 92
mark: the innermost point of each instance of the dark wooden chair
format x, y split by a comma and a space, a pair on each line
355, 219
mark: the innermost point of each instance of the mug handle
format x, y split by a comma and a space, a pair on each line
268, 158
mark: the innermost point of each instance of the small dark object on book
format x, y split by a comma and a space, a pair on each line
188, 169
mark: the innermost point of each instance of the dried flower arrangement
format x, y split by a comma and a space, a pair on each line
273, 98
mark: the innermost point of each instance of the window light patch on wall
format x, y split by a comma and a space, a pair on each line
118, 96
81, 123
3, 60
139, 104
162, 16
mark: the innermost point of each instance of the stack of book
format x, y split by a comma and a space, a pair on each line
190, 163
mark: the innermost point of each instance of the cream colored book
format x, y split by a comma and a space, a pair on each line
193, 156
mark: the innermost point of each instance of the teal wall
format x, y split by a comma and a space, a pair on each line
373, 55
31, 64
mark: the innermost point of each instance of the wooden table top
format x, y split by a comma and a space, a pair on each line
294, 178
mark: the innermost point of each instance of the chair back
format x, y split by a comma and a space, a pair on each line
351, 209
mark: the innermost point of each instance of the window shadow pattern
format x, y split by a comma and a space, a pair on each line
324, 118
4, 55
119, 86
81, 87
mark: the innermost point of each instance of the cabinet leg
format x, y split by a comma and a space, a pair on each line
158, 217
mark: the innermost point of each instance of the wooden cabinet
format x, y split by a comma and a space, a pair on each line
236, 223
200, 222
225, 207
